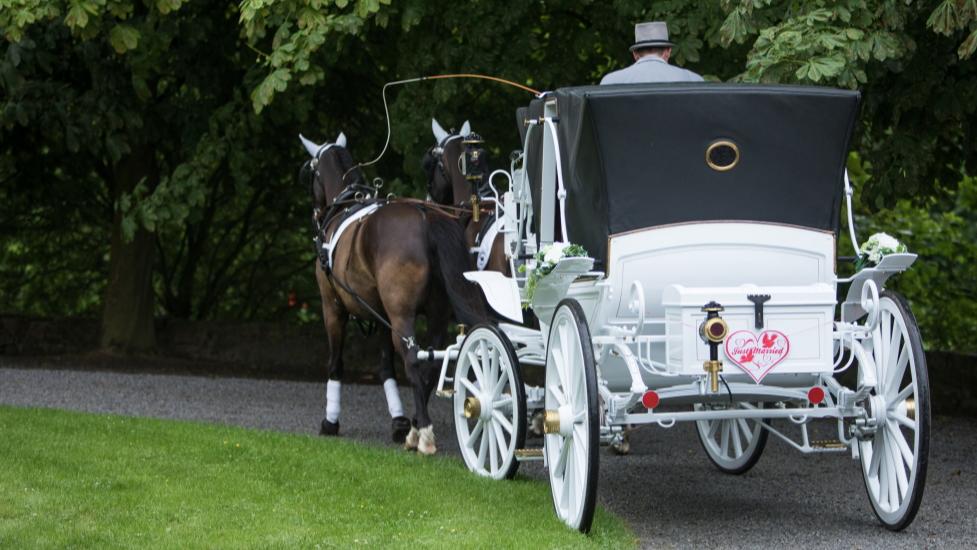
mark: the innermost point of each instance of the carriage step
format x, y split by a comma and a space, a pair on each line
526, 455
828, 445
446, 393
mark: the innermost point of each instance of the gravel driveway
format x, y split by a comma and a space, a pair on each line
666, 488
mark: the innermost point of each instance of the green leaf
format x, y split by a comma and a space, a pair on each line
123, 38
969, 46
77, 17
943, 20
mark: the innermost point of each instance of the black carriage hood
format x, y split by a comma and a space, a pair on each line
635, 156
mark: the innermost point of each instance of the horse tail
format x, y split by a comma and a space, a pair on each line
447, 239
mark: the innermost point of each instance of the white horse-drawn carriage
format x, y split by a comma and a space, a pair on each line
708, 293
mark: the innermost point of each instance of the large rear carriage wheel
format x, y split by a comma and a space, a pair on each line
894, 459
571, 422
489, 403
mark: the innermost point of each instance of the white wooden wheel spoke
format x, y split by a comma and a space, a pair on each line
713, 427
482, 448
900, 440
724, 446
560, 468
503, 422
897, 464
476, 431
476, 367
902, 395
499, 438
903, 419
503, 403
493, 449
557, 395
737, 444
470, 387
499, 386
558, 362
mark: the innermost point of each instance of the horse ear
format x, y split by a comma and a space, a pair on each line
439, 133
341, 139
310, 146
466, 128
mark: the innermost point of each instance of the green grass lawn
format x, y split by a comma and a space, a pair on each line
97, 481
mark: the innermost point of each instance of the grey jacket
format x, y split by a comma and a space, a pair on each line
650, 69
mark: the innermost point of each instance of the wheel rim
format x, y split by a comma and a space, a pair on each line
890, 459
567, 452
730, 444
488, 439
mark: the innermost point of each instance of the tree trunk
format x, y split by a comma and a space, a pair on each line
129, 304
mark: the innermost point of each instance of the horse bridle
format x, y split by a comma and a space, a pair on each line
353, 191
469, 156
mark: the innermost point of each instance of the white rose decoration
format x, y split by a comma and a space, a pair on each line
555, 252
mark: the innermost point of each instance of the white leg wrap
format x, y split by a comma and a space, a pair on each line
394, 405
332, 400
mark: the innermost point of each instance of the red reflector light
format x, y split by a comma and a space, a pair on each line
650, 399
815, 395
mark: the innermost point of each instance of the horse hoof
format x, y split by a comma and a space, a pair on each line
425, 444
400, 428
621, 446
413, 437
536, 425
329, 428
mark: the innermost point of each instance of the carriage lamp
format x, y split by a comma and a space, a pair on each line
471, 168
713, 331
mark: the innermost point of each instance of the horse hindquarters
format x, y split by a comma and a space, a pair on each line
447, 239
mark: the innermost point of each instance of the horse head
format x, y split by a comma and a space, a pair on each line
333, 170
450, 160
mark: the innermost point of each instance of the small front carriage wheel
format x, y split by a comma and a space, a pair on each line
734, 445
571, 420
489, 403
894, 459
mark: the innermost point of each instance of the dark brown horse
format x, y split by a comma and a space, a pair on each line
447, 185
393, 263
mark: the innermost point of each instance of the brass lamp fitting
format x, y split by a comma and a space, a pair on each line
462, 329
714, 330
713, 368
911, 408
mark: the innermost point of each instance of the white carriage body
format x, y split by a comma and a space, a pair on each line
645, 291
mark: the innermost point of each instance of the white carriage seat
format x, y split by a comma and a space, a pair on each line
715, 254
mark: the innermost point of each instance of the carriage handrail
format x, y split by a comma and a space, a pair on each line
561, 190
851, 215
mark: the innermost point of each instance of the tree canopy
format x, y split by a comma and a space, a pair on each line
148, 148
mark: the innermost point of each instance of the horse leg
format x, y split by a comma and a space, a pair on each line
421, 436
400, 425
335, 321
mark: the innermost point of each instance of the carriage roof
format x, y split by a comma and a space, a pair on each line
634, 156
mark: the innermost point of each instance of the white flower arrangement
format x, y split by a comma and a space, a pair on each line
879, 246
546, 260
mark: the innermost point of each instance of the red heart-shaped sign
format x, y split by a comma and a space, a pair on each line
757, 354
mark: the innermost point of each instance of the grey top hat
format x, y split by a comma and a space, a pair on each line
653, 34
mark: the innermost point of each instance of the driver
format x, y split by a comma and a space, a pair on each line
651, 51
